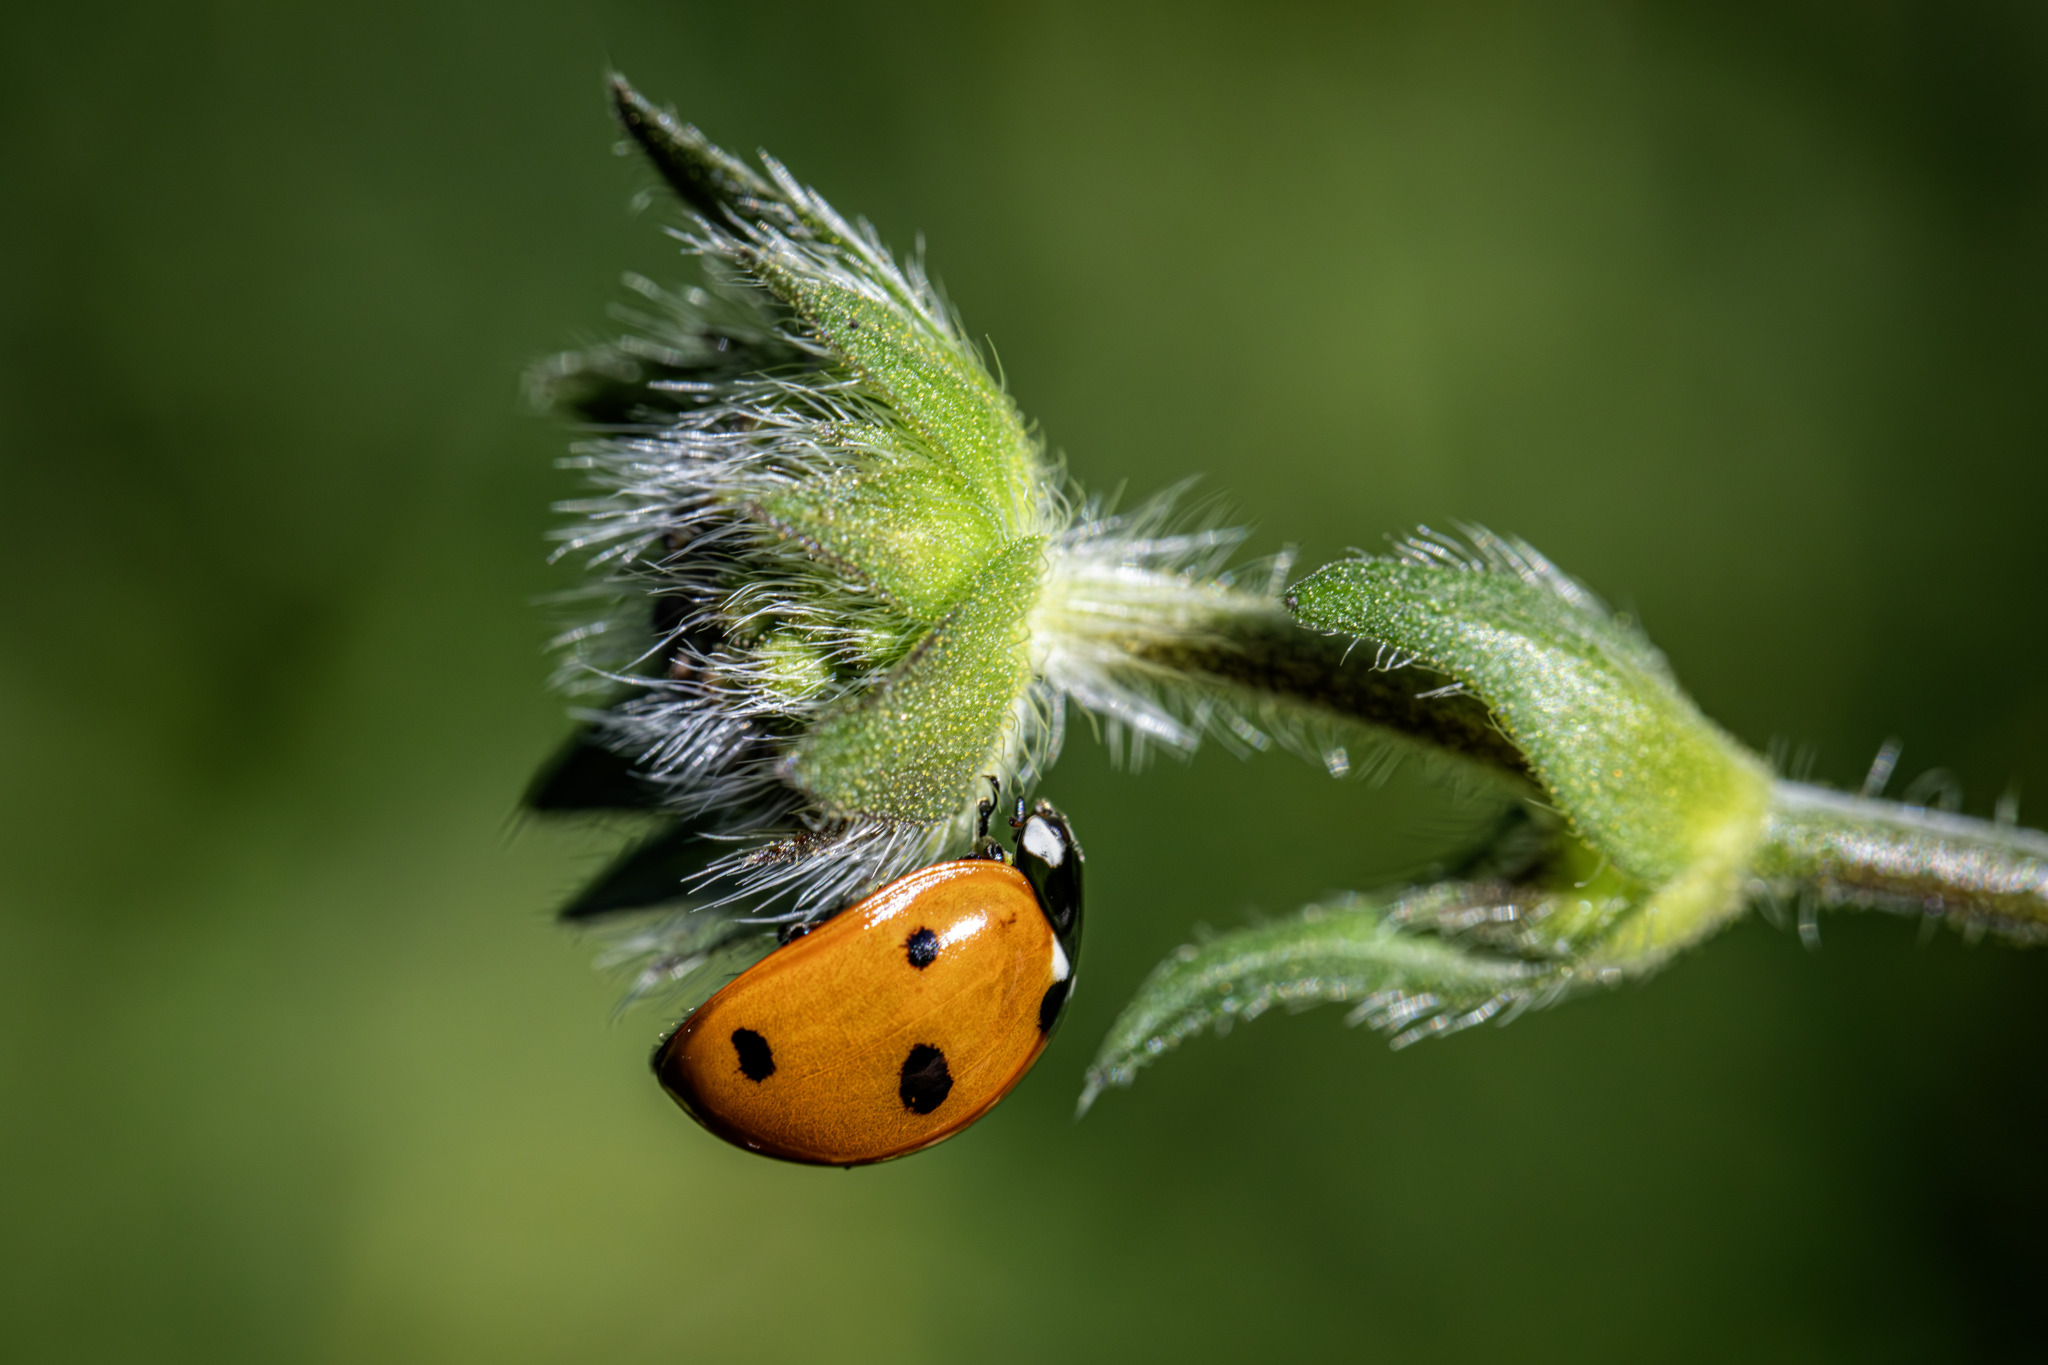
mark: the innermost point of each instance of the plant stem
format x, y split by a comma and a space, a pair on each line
1838, 849
1259, 649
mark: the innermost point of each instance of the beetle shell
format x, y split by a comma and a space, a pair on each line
890, 1027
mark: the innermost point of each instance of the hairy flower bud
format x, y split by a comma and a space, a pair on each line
841, 582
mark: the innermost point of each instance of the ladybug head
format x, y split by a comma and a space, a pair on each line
1050, 858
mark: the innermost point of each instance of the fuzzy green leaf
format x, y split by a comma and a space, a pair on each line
706, 177
1411, 985
912, 746
931, 382
911, 530
1639, 773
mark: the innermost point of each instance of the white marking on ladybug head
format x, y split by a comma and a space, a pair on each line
1060, 969
1044, 842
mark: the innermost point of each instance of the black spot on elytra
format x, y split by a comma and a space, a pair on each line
926, 1082
923, 947
757, 1063
1049, 1006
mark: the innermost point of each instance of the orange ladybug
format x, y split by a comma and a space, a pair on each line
899, 1021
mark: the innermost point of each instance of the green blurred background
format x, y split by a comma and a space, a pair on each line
1738, 311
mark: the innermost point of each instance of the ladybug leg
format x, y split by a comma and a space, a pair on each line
986, 807
985, 847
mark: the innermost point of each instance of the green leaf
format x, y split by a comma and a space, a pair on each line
1641, 776
1408, 984
911, 530
705, 176
931, 382
913, 746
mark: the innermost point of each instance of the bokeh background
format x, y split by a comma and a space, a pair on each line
1739, 311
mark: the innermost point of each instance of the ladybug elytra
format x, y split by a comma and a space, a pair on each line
899, 1021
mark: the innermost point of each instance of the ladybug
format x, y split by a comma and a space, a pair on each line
900, 1020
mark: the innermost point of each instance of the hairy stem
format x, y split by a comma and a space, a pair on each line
1259, 649
1837, 849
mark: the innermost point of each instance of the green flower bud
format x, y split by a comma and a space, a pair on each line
841, 584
